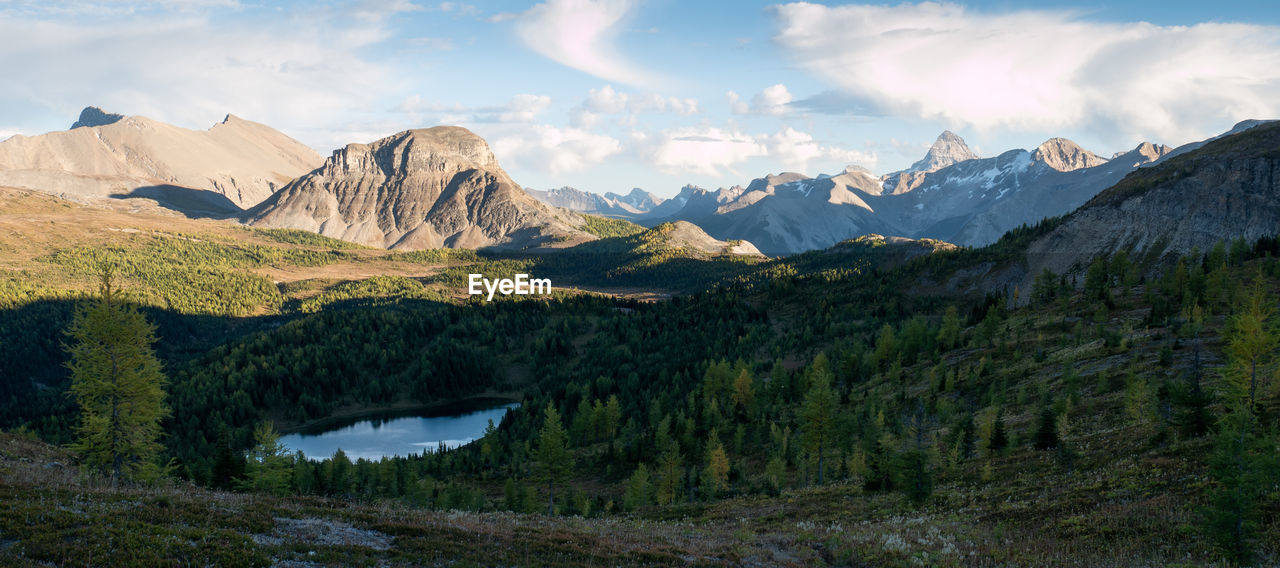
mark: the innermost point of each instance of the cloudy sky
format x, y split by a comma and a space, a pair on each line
606, 95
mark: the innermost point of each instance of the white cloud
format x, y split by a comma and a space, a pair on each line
795, 149
521, 108
291, 73
606, 100
714, 151
772, 101
524, 108
7, 133
703, 151
580, 34
554, 150
1039, 70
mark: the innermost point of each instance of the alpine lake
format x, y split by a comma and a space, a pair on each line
401, 432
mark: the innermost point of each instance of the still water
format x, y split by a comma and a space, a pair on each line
399, 434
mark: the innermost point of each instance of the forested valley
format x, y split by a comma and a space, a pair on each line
1096, 412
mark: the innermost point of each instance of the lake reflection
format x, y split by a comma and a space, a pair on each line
375, 438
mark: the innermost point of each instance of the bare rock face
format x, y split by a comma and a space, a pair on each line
1065, 156
419, 189
1228, 188
948, 149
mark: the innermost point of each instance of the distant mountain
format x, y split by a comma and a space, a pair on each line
638, 199
219, 171
667, 208
635, 204
949, 149
966, 200
1065, 156
1224, 188
428, 188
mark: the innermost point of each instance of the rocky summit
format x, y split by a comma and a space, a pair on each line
419, 189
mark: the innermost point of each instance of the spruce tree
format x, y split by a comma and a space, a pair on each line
1046, 437
118, 383
715, 477
819, 413
269, 465
1245, 458
553, 455
670, 472
999, 438
638, 489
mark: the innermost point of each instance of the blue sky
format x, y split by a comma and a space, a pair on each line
606, 95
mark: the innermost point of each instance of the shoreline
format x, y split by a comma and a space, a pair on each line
351, 415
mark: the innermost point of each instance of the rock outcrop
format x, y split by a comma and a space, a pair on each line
1065, 156
1227, 188
419, 189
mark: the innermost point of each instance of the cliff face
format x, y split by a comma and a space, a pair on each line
1226, 189
428, 188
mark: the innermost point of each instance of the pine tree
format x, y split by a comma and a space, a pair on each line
228, 464
638, 489
949, 333
269, 464
819, 413
553, 455
1046, 437
715, 477
670, 472
1244, 459
743, 393
117, 381
999, 438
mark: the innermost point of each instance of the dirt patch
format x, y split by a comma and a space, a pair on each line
322, 532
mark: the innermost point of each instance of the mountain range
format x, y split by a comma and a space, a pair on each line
951, 194
638, 203
443, 187
233, 165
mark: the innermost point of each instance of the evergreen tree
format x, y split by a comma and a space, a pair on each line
638, 489
228, 464
949, 334
1245, 459
1046, 437
914, 471
117, 381
818, 413
715, 477
269, 465
553, 455
670, 472
999, 438
743, 392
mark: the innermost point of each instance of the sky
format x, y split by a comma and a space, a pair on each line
607, 95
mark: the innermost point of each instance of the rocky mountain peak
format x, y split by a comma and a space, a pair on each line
94, 116
425, 188
1065, 156
770, 180
439, 149
948, 149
